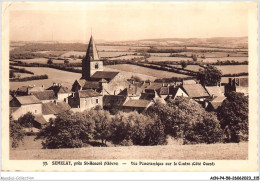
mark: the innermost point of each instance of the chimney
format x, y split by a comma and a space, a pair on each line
133, 81
59, 84
54, 83
150, 82
163, 84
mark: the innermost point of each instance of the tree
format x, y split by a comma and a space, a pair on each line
186, 119
136, 78
50, 61
16, 133
209, 76
233, 116
102, 121
11, 74
137, 129
183, 64
68, 130
27, 120
194, 57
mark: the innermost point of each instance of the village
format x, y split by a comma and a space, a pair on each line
113, 92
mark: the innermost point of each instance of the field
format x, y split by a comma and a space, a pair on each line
233, 69
127, 57
31, 150
52, 53
113, 54
189, 67
57, 76
146, 71
120, 48
210, 60
213, 54
159, 59
74, 53
45, 60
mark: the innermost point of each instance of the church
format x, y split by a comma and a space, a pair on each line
95, 81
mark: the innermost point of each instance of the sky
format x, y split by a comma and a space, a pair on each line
117, 21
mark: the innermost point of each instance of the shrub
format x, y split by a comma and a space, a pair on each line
16, 133
68, 130
50, 61
11, 74
233, 116
66, 61
183, 64
127, 143
137, 129
27, 120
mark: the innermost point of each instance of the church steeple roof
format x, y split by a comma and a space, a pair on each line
92, 53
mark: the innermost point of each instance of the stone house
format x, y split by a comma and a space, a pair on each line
85, 99
62, 93
24, 104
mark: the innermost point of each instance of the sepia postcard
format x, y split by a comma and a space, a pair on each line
129, 86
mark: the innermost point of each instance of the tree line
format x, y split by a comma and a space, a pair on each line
182, 118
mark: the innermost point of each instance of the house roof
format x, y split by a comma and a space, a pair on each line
189, 82
164, 91
216, 102
31, 99
13, 109
174, 91
104, 75
10, 98
45, 95
147, 96
59, 89
91, 85
92, 53
137, 103
214, 90
113, 100
103, 81
155, 85
195, 90
160, 100
40, 119
81, 82
88, 93
131, 91
31, 88
52, 108
23, 88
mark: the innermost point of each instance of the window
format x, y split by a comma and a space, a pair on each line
96, 101
96, 66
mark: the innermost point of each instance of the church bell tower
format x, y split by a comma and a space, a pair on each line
91, 63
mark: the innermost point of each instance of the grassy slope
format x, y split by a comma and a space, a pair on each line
146, 71
58, 76
231, 151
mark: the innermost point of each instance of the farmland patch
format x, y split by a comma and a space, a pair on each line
145, 71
